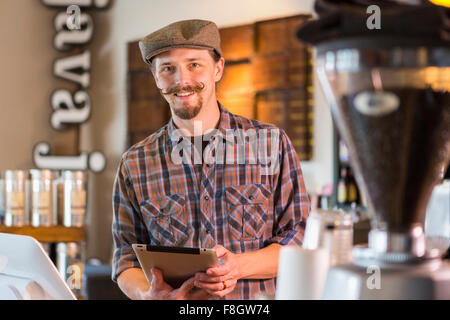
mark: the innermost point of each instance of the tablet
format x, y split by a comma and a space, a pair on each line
177, 264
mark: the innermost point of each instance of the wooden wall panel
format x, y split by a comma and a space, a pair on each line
135, 61
269, 72
270, 36
237, 42
289, 109
280, 70
278, 35
142, 86
147, 114
242, 104
236, 79
270, 108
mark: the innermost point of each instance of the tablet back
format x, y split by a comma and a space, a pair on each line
177, 264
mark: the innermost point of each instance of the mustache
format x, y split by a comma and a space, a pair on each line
194, 88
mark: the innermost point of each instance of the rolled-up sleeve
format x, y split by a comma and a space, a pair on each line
127, 226
291, 202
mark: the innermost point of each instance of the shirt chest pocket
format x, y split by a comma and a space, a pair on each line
166, 219
247, 211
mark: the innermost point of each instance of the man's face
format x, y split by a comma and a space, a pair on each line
186, 78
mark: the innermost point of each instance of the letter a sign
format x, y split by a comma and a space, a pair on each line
374, 20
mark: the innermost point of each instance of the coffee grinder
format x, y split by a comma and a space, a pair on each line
388, 87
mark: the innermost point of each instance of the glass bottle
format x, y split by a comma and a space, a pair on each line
342, 188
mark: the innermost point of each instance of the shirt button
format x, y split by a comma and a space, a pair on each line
251, 197
206, 198
208, 230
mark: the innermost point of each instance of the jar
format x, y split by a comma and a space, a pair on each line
16, 198
332, 230
74, 189
43, 198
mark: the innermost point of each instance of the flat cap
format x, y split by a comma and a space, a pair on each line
196, 34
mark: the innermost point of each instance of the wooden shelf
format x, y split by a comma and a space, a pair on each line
49, 234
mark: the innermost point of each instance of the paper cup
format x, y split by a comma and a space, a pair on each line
301, 273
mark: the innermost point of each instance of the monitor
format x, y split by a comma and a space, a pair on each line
26, 271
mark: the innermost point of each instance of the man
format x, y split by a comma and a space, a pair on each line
165, 194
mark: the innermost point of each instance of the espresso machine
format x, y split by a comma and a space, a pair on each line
388, 88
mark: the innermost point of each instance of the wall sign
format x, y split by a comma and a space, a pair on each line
74, 29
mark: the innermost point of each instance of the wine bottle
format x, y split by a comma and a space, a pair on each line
352, 196
342, 195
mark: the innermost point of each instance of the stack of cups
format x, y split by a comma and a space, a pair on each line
328, 241
301, 273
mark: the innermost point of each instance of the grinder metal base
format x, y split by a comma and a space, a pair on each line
374, 278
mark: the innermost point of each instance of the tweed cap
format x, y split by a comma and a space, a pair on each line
197, 34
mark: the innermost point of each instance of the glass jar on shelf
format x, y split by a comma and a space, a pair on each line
73, 195
43, 198
16, 185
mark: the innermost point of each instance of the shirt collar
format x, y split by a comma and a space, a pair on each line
174, 135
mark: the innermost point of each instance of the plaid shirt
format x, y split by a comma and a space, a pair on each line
243, 206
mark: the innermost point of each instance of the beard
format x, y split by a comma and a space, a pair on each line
187, 110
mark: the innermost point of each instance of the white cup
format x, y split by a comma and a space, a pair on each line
301, 273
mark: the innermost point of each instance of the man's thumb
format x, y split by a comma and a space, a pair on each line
221, 251
157, 277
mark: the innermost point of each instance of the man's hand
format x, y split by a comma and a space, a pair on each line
160, 290
221, 280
